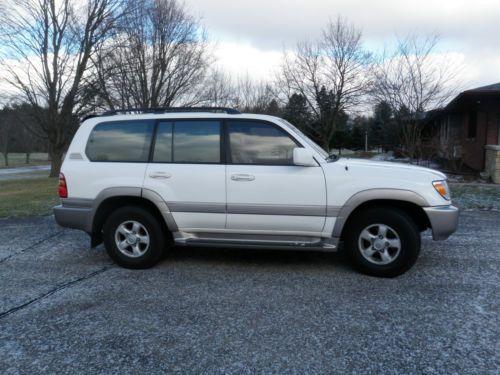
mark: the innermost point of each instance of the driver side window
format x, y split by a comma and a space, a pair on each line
253, 142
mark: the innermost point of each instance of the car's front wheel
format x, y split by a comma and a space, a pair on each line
133, 237
383, 242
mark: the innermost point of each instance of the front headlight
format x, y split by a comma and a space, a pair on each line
442, 188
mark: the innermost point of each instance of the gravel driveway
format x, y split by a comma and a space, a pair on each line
67, 309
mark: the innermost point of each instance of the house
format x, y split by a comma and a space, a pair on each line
468, 129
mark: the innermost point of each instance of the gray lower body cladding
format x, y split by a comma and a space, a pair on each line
443, 219
74, 217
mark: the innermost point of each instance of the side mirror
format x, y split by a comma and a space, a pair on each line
303, 157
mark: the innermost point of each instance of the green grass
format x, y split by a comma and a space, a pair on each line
28, 197
475, 196
19, 160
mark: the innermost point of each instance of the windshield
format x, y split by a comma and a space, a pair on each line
309, 141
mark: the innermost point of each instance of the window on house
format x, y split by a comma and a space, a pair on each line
472, 129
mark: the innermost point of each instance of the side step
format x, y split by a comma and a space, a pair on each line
255, 241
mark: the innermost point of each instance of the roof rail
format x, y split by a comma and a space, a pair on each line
230, 111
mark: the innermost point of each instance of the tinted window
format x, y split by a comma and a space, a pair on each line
259, 143
163, 144
196, 142
126, 141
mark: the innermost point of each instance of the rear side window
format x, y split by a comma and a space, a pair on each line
193, 141
163, 143
120, 141
259, 143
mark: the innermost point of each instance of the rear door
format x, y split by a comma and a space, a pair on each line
266, 193
187, 171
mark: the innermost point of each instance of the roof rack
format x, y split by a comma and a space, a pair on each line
229, 111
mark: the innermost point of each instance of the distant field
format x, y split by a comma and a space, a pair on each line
28, 197
19, 160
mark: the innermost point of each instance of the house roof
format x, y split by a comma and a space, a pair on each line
466, 98
490, 88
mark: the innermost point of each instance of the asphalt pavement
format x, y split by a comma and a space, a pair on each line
67, 309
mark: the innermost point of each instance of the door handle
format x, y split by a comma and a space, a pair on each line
160, 175
242, 177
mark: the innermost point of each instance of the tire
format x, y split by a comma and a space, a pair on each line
381, 256
133, 238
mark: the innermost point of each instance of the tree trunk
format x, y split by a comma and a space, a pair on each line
6, 158
56, 160
27, 158
326, 144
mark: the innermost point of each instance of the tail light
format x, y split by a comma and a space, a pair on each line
63, 188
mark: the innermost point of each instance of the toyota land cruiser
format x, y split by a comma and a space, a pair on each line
143, 180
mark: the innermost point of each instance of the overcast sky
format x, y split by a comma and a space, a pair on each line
252, 34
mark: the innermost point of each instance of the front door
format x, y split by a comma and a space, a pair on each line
187, 171
266, 193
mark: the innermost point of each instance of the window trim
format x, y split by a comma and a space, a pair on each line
229, 160
153, 121
173, 121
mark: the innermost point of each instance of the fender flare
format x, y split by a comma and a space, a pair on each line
370, 195
147, 194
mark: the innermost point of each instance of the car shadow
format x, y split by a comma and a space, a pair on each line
239, 256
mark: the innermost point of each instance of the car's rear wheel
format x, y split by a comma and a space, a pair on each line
133, 237
383, 242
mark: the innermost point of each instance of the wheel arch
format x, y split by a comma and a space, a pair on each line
405, 200
111, 199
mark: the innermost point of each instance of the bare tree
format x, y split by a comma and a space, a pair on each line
219, 89
253, 96
6, 130
158, 58
47, 45
331, 73
243, 93
413, 79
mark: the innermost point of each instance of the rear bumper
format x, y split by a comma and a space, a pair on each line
443, 219
74, 217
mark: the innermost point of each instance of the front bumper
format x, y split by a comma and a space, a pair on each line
443, 219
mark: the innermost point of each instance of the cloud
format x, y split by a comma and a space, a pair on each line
252, 34
269, 24
243, 58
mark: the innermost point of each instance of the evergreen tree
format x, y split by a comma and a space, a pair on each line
297, 113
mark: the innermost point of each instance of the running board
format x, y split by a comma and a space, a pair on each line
255, 241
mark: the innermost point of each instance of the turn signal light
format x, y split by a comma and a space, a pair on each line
63, 188
442, 188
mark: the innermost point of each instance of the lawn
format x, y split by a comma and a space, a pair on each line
19, 160
470, 196
28, 197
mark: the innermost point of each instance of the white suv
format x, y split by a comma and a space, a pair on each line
216, 177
